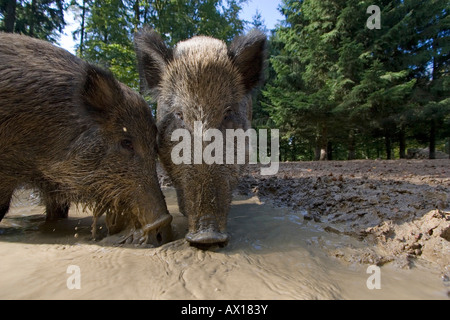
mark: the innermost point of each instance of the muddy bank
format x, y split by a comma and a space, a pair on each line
274, 254
309, 233
401, 208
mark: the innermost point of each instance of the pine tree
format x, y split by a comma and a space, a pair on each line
339, 81
179, 20
8, 11
107, 27
43, 19
429, 54
307, 70
107, 35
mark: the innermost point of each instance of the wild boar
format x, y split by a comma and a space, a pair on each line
201, 81
72, 131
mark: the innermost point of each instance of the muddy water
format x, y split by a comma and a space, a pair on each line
273, 254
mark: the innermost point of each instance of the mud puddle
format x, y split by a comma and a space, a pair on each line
273, 254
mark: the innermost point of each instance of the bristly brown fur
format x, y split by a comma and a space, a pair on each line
74, 132
202, 79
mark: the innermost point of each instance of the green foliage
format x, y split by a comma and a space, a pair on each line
43, 19
107, 39
336, 82
106, 34
334, 87
180, 19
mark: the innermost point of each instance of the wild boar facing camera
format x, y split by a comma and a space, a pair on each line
201, 83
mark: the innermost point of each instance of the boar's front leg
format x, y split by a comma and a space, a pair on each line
56, 204
56, 211
5, 200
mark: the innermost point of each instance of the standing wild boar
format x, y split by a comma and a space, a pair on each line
202, 81
76, 134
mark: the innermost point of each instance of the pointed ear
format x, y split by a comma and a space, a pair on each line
248, 54
153, 57
100, 92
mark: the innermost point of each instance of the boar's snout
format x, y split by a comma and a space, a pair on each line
206, 239
207, 213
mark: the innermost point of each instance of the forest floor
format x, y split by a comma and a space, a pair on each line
401, 208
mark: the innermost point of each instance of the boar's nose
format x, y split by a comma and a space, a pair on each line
207, 239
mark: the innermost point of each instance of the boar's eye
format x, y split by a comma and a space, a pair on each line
228, 113
179, 115
127, 144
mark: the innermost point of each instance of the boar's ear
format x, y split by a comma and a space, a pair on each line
100, 92
153, 56
248, 54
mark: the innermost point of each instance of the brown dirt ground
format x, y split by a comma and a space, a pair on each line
400, 209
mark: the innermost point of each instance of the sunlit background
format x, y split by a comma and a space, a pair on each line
268, 9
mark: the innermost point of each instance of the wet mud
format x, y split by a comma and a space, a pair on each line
277, 251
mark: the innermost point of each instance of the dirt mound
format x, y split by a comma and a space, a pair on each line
402, 208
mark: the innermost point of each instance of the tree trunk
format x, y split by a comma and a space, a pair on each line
321, 144
137, 16
32, 18
351, 146
321, 153
433, 121
10, 17
388, 146
402, 139
83, 17
448, 147
293, 149
433, 140
321, 148
379, 150
330, 151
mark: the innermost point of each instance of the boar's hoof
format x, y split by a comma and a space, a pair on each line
153, 235
206, 239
